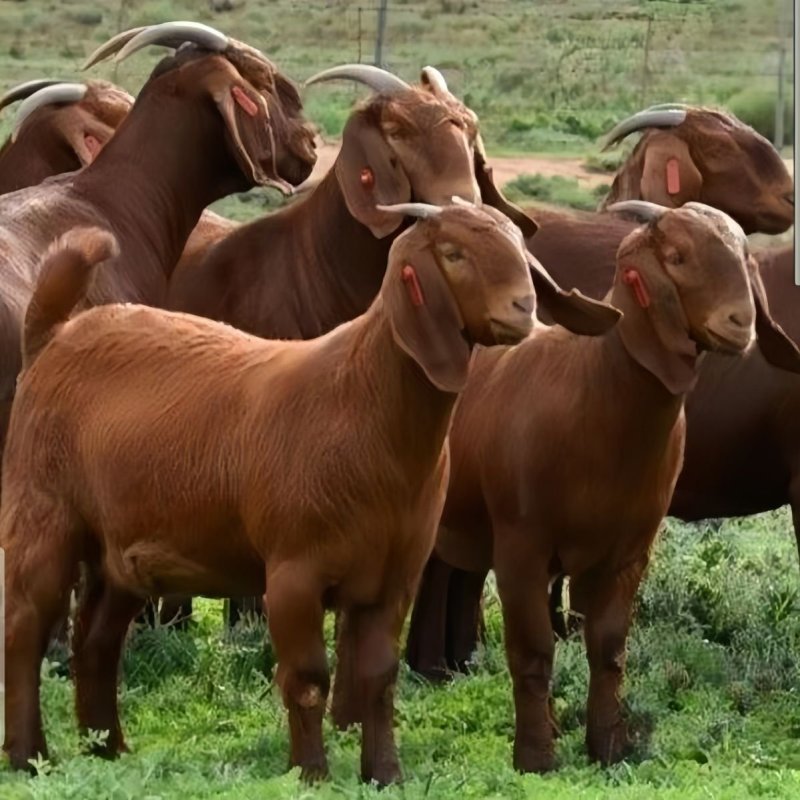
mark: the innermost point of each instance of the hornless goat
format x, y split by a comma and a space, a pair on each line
59, 127
576, 479
315, 469
299, 272
216, 117
688, 153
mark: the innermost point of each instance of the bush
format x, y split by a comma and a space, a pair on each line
756, 107
557, 190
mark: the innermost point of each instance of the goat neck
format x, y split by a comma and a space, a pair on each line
35, 156
342, 262
166, 163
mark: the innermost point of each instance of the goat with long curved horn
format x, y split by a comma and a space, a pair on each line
167, 34
657, 117
51, 94
641, 208
379, 80
24, 90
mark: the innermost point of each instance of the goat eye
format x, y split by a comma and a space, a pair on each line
453, 255
457, 123
674, 258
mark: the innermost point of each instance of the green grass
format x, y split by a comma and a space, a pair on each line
712, 689
555, 190
544, 77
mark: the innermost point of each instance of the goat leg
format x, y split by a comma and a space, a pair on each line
606, 600
103, 618
293, 604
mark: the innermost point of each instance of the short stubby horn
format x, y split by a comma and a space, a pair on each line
23, 90
641, 208
435, 80
379, 80
664, 117
420, 210
49, 95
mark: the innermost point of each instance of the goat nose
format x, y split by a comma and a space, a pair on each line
525, 303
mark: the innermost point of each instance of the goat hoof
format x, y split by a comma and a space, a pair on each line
608, 745
435, 675
383, 774
314, 772
534, 759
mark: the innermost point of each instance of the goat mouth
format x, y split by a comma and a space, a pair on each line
506, 332
732, 344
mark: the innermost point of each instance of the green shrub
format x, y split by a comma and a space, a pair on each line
555, 189
756, 107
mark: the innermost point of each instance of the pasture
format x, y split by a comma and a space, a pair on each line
712, 684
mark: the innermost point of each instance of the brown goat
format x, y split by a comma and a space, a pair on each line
575, 480
299, 272
59, 127
710, 156
316, 469
226, 120
742, 453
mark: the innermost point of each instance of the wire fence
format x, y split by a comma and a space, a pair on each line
570, 66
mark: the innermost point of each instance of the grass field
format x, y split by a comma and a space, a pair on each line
713, 683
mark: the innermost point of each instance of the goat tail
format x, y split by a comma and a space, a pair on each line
66, 271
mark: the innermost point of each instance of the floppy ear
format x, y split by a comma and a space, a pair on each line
573, 310
425, 319
776, 347
83, 132
249, 132
370, 175
669, 175
492, 196
655, 334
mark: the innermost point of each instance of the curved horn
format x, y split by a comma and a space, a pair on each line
57, 93
658, 118
434, 79
23, 90
642, 208
111, 46
379, 80
419, 210
174, 34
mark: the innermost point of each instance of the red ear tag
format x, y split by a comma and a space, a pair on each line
244, 102
409, 276
632, 278
92, 145
367, 178
673, 176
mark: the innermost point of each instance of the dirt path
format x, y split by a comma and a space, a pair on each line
505, 169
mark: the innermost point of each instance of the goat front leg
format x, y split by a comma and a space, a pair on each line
426, 642
346, 708
606, 600
293, 604
376, 633
522, 583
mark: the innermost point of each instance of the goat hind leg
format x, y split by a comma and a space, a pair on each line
37, 591
346, 708
293, 604
104, 615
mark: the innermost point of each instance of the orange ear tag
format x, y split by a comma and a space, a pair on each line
367, 178
673, 176
409, 276
632, 278
244, 102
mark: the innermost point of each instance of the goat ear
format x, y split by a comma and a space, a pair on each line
656, 334
776, 347
370, 175
84, 133
492, 196
425, 318
573, 310
669, 175
249, 131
